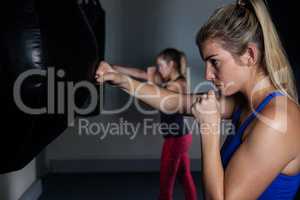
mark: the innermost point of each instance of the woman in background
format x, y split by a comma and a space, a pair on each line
170, 74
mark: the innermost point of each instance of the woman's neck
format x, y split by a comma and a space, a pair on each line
257, 89
174, 75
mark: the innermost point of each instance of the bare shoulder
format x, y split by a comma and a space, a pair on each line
283, 113
278, 123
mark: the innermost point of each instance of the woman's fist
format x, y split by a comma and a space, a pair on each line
151, 73
206, 108
106, 73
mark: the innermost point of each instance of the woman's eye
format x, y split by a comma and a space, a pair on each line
215, 63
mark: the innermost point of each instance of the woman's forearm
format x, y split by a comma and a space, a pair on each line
159, 98
131, 71
213, 176
213, 172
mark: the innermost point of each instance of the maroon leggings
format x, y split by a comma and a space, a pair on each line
175, 162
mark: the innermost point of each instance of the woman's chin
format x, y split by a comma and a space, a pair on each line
224, 92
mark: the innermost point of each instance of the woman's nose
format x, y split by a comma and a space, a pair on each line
209, 75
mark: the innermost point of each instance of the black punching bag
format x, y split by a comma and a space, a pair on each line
49, 42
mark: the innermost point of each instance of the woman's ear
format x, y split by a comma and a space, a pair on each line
251, 54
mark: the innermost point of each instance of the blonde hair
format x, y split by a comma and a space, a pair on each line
183, 65
236, 25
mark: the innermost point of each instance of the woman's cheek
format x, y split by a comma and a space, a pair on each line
229, 88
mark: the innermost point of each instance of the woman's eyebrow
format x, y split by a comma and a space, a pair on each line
207, 58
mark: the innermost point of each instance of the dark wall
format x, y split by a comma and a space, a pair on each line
286, 18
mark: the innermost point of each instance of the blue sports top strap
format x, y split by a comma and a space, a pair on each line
260, 107
236, 115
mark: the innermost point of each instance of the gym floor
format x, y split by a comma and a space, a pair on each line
109, 186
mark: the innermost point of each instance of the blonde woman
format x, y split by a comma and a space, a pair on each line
244, 58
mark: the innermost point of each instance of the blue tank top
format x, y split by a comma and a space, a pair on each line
283, 187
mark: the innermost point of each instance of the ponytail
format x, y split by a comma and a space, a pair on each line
276, 61
183, 65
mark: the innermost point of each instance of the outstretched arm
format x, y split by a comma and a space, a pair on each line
131, 71
155, 96
159, 98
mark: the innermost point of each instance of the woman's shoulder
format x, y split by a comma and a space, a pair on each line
276, 134
281, 116
179, 85
282, 109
